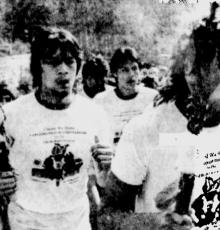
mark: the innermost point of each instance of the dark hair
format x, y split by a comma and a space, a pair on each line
4, 91
146, 65
121, 56
45, 44
96, 67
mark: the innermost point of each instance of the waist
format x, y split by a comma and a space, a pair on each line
46, 196
21, 218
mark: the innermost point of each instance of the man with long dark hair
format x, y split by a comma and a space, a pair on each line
53, 131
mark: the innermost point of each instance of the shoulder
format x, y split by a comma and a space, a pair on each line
153, 121
164, 113
85, 102
89, 106
19, 104
109, 87
141, 129
145, 96
147, 91
106, 94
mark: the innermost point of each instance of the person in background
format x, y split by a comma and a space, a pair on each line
5, 94
163, 76
145, 79
55, 134
94, 72
154, 73
127, 99
24, 88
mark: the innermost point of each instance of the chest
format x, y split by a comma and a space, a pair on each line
39, 139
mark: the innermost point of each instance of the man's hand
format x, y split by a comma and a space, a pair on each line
7, 183
103, 155
174, 218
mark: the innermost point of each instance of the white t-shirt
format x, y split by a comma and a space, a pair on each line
82, 91
149, 152
121, 111
51, 155
156, 148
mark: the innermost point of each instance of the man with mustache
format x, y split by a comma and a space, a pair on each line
167, 160
127, 99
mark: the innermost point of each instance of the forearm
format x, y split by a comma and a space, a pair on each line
119, 195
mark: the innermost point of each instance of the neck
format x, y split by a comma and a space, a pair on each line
123, 94
89, 93
52, 100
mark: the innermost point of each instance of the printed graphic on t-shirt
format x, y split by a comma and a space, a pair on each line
126, 115
206, 205
59, 165
117, 137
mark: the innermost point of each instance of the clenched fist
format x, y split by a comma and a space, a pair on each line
103, 155
7, 183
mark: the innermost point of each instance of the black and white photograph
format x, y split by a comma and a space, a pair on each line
109, 115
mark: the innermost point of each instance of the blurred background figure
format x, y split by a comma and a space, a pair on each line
5, 94
153, 73
145, 79
94, 72
24, 88
163, 76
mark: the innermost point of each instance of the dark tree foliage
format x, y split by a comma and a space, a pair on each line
23, 17
100, 26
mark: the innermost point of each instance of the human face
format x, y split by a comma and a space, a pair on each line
91, 82
144, 72
59, 77
153, 72
127, 78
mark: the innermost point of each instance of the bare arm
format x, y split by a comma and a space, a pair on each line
119, 195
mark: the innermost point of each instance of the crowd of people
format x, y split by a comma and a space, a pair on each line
146, 144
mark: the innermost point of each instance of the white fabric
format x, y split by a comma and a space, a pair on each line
149, 153
121, 111
22, 219
41, 133
156, 148
82, 91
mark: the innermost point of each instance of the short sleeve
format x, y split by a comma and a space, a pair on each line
131, 160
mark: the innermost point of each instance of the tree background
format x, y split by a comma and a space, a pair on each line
100, 26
